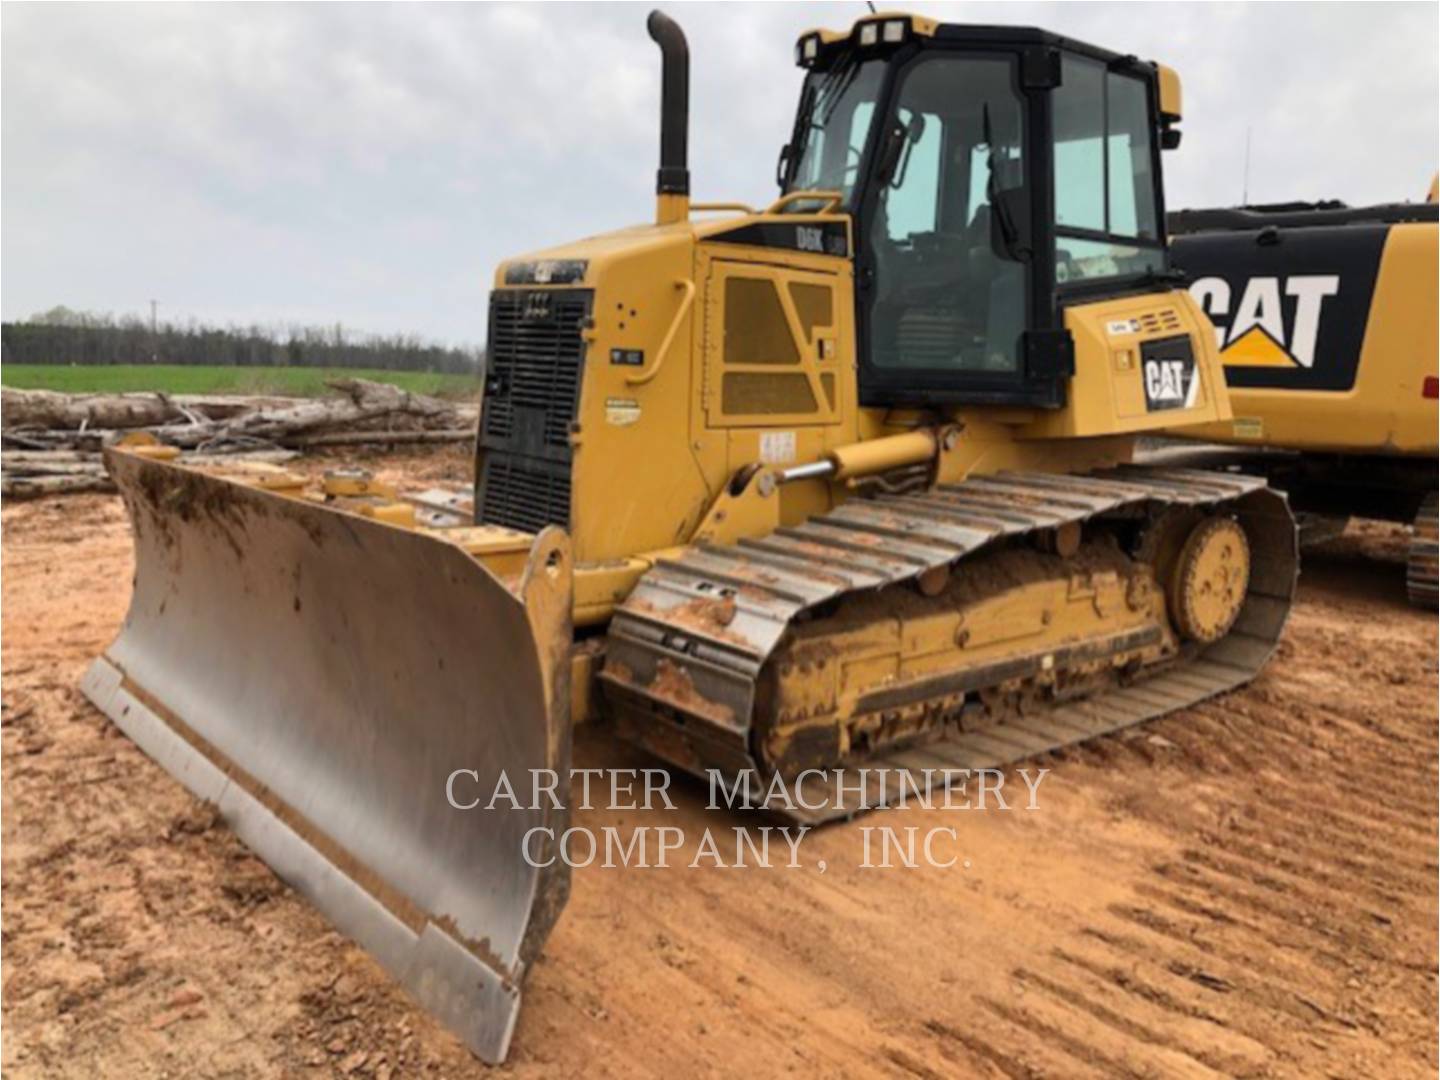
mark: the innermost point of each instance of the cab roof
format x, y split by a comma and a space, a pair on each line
919, 26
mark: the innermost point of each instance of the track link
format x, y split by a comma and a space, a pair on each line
1422, 567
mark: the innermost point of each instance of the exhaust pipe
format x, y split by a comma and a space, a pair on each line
672, 182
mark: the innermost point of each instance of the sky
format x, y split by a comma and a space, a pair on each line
369, 165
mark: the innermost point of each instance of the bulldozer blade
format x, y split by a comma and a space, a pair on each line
320, 677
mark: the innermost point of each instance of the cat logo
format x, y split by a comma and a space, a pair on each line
1253, 333
1168, 385
1167, 371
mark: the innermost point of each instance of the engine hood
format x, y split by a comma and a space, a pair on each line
583, 262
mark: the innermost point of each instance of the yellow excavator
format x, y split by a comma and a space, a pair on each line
1326, 320
841, 482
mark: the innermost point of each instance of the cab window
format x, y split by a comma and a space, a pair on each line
1106, 205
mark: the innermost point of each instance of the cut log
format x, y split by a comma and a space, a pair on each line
12, 458
17, 461
54, 411
362, 438
361, 401
269, 457
33, 487
55, 468
29, 475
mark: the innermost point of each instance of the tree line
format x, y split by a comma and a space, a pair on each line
63, 336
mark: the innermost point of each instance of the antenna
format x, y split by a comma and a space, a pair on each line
1245, 183
870, 6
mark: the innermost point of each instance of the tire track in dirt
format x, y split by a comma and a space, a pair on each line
1292, 905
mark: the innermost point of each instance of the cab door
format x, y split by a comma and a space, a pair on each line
945, 263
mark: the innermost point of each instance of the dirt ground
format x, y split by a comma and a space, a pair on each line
1246, 888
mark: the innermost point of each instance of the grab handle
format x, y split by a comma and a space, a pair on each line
644, 376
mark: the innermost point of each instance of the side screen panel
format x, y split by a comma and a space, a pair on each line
1289, 312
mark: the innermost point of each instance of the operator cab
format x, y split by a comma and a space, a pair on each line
993, 175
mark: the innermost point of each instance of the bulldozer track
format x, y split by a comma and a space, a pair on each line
872, 544
1422, 568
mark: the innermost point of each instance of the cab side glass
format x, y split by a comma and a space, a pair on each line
1105, 190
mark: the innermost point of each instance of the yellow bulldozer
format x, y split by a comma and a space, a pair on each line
1325, 316
843, 481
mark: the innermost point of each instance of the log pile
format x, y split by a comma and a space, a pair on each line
52, 441
29, 474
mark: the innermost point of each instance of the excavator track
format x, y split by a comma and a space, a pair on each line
1422, 567
692, 655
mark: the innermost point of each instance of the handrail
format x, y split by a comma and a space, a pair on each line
642, 377
832, 199
740, 207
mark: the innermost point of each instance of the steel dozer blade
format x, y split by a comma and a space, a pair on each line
318, 677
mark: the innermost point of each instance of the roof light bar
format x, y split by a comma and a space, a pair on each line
867, 34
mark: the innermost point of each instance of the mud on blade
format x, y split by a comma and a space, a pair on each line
318, 676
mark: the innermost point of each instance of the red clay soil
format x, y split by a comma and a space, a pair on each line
1245, 888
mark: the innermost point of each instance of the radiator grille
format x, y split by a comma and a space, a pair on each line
524, 494
535, 357
533, 360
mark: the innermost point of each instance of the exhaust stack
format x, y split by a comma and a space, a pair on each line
672, 182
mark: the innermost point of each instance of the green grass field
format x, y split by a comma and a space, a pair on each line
185, 379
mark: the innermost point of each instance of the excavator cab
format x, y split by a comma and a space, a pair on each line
994, 175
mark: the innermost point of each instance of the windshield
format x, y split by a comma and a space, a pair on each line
836, 107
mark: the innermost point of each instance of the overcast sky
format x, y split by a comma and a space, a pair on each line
370, 164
